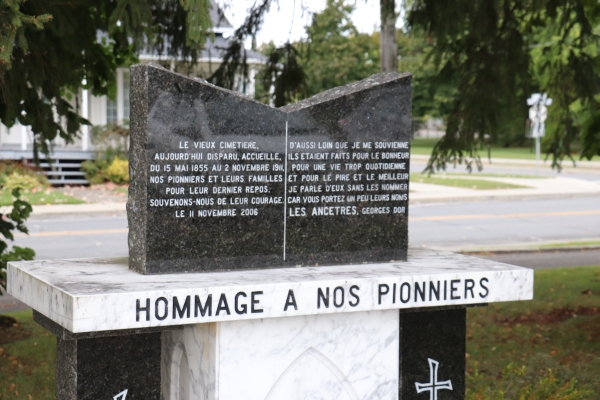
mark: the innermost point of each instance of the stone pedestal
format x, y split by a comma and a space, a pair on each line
338, 356
368, 331
432, 354
106, 364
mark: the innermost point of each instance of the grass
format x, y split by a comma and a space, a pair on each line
480, 174
511, 152
570, 244
41, 197
479, 184
424, 146
121, 189
547, 348
27, 365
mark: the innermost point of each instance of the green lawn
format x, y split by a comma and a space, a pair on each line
548, 348
424, 146
121, 189
46, 196
476, 174
516, 152
479, 184
27, 365
570, 244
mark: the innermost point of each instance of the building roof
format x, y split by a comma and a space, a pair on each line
212, 51
218, 19
215, 46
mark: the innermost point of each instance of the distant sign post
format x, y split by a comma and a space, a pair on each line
537, 115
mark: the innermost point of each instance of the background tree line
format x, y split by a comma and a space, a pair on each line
474, 64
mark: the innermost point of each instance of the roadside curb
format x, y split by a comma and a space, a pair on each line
62, 209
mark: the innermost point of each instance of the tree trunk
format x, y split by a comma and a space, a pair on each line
389, 42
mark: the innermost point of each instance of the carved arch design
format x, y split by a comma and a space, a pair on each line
316, 358
179, 362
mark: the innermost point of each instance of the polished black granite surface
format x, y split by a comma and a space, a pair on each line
432, 354
106, 367
221, 182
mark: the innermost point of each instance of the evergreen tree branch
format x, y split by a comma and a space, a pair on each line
233, 70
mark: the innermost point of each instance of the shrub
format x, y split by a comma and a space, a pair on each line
95, 171
111, 144
23, 182
9, 222
8, 168
118, 171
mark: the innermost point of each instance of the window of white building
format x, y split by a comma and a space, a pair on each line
117, 111
111, 111
126, 97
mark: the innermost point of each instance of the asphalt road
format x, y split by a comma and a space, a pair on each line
76, 236
453, 226
460, 226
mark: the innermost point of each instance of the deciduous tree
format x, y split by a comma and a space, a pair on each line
498, 53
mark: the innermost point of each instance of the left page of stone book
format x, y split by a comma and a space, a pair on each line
198, 154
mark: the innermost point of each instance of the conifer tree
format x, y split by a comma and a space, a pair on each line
50, 50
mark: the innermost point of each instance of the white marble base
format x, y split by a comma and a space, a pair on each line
346, 356
98, 295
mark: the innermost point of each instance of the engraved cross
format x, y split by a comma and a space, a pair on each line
433, 385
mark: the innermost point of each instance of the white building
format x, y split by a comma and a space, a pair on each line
16, 143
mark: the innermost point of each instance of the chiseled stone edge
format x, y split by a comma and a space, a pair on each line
341, 91
137, 213
66, 369
65, 335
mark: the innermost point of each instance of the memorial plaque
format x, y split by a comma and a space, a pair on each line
221, 182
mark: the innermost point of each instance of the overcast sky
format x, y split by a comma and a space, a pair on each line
286, 20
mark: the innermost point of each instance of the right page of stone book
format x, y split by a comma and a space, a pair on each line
347, 174
222, 182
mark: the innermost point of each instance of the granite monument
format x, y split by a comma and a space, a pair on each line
222, 182
268, 258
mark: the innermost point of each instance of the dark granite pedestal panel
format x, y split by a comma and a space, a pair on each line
432, 354
102, 368
222, 182
107, 365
